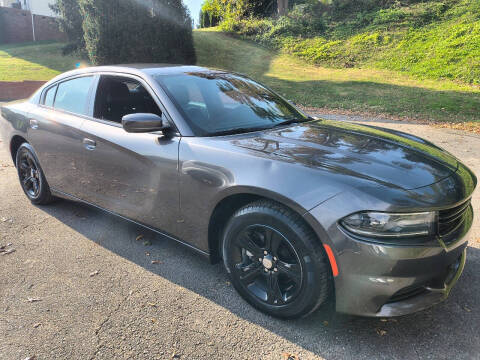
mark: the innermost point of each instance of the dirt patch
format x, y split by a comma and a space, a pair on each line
14, 90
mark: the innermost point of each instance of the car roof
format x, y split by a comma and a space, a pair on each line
140, 69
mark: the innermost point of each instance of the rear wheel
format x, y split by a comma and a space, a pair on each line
275, 260
31, 176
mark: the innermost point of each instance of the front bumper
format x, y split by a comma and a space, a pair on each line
388, 280
425, 295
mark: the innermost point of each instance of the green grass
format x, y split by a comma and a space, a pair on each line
435, 39
33, 61
358, 89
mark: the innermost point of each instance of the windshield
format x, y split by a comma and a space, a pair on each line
217, 103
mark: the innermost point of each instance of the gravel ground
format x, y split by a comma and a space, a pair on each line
79, 286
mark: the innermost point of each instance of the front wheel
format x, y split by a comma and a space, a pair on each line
275, 261
31, 176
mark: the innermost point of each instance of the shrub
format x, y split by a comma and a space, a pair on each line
126, 31
70, 22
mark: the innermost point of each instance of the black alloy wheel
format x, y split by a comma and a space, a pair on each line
275, 261
31, 176
267, 265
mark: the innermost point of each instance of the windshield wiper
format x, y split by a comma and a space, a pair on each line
289, 122
258, 128
238, 131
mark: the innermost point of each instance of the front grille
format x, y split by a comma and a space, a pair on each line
449, 220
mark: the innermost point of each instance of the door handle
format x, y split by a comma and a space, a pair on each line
33, 124
89, 144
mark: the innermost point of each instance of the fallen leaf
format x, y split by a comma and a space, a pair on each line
96, 272
152, 304
381, 332
466, 308
325, 323
139, 237
227, 282
154, 320
288, 356
31, 358
147, 253
383, 320
175, 355
147, 243
156, 262
36, 325
9, 244
31, 300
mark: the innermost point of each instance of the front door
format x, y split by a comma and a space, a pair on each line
134, 175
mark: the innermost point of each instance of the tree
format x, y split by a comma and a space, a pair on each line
125, 31
282, 7
70, 22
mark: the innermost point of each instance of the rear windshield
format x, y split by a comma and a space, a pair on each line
217, 103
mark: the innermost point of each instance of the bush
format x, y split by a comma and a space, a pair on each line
126, 31
70, 22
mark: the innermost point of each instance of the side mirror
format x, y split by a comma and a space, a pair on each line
142, 123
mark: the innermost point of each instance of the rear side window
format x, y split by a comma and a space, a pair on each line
118, 96
50, 96
72, 95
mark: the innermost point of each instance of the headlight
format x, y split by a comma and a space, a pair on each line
390, 225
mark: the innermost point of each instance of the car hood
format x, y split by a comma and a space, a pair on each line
381, 155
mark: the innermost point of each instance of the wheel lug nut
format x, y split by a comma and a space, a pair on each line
275, 269
266, 270
265, 252
260, 259
274, 258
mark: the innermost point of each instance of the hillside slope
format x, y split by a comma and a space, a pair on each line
361, 90
437, 39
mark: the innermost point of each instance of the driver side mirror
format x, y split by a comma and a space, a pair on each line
142, 123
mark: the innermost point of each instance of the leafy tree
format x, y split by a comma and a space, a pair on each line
70, 22
124, 31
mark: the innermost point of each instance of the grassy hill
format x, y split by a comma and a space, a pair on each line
33, 61
436, 39
358, 89
377, 91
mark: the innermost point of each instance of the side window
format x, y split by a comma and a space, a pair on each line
50, 96
118, 96
72, 95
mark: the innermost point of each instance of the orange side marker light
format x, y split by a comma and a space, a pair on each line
331, 257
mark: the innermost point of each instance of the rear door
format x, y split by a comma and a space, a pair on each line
134, 175
55, 132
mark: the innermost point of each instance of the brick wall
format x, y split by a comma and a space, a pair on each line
18, 89
46, 28
16, 27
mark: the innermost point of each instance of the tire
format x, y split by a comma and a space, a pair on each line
30, 174
275, 261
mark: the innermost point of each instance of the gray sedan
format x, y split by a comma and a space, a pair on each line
301, 211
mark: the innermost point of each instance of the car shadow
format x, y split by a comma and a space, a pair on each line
451, 326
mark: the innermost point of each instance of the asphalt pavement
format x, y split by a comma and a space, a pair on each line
82, 284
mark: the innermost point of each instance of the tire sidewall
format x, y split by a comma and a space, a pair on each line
43, 186
313, 270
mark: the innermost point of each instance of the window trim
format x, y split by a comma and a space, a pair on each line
44, 96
